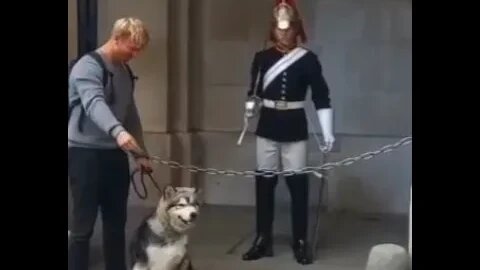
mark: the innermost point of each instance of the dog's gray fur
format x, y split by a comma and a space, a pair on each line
160, 242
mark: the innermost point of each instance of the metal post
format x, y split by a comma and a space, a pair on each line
410, 226
320, 208
87, 26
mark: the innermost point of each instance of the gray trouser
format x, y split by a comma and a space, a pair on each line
272, 154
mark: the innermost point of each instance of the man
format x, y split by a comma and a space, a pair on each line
285, 71
104, 125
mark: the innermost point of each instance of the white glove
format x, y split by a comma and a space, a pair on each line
325, 116
249, 108
252, 106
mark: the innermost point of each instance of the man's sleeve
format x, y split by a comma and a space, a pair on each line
253, 75
87, 79
320, 90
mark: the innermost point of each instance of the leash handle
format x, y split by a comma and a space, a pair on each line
142, 181
139, 154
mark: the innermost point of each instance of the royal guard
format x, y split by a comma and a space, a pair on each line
280, 77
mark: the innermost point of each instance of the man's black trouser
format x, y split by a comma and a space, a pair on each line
265, 197
99, 180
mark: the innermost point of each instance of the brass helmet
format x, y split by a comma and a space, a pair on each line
286, 15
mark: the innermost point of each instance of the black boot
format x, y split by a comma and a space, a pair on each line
301, 251
262, 247
263, 244
298, 187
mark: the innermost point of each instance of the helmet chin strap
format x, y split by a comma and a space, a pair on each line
286, 47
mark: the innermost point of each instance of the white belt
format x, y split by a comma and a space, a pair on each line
283, 105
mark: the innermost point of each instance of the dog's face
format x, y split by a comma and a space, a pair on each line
181, 206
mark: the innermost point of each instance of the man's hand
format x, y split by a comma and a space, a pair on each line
325, 116
128, 143
144, 164
329, 139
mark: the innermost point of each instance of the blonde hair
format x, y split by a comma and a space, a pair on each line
132, 28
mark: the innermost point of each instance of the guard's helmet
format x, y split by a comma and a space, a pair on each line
285, 15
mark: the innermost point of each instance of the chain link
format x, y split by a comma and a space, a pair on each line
325, 167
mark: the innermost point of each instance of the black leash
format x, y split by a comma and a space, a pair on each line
142, 181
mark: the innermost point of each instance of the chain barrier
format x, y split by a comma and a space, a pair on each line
306, 170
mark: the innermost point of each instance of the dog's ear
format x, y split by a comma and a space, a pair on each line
199, 195
168, 192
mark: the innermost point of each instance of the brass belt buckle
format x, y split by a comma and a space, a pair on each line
280, 104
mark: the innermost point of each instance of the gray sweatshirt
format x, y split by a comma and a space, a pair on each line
101, 122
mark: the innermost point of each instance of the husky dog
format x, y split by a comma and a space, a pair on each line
160, 242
